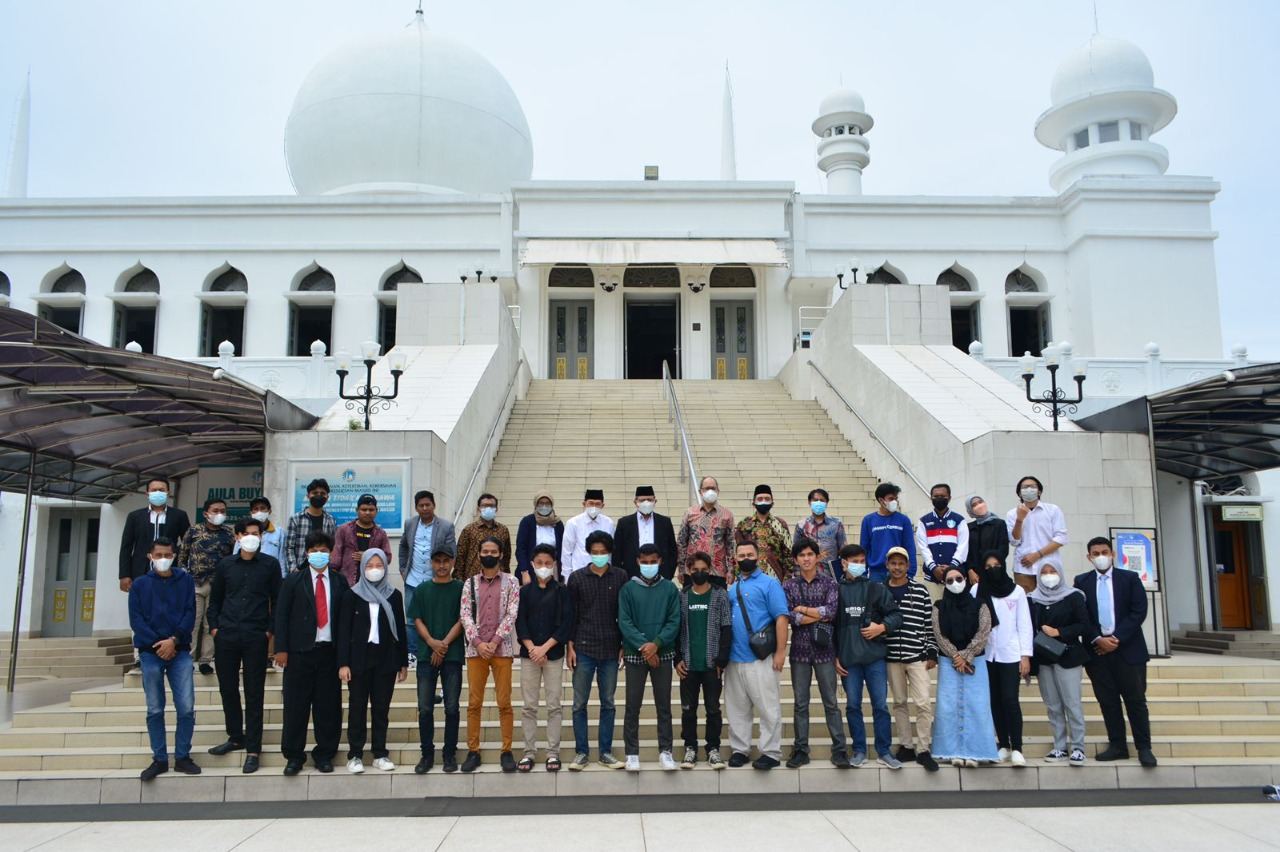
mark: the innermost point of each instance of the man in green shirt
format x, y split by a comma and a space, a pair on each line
434, 613
649, 620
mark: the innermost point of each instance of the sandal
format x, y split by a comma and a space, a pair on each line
553, 764
525, 764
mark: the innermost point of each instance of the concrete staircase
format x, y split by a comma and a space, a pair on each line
1257, 644
80, 657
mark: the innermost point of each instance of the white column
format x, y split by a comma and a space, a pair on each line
608, 332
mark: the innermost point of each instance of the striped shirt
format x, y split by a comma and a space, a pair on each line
914, 641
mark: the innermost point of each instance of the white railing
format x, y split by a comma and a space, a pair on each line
309, 377
811, 316
681, 438
515, 311
464, 501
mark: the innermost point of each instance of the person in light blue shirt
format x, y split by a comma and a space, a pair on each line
423, 535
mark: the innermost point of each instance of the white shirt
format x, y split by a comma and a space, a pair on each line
644, 523
1111, 587
1045, 523
158, 518
323, 634
544, 534
573, 549
374, 609
1010, 639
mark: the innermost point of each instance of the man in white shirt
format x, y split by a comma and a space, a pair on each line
1037, 531
573, 549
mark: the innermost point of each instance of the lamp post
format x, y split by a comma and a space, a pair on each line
369, 397
854, 262
1054, 401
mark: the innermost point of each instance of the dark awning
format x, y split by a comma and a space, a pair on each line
101, 420
1224, 425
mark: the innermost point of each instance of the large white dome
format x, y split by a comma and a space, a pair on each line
1102, 64
410, 112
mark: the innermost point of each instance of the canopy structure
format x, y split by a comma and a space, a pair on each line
542, 252
1224, 425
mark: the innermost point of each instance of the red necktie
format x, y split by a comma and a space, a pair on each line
322, 603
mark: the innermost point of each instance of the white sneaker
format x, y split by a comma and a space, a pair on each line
1002, 756
384, 763
666, 761
355, 766
1017, 758
633, 762
413, 661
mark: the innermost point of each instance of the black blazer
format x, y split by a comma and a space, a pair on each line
527, 540
135, 541
1131, 610
296, 610
983, 538
626, 544
353, 635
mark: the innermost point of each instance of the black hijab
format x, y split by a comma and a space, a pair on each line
958, 616
994, 583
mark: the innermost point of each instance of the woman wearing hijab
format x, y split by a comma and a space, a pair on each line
373, 656
987, 534
1058, 610
1008, 652
542, 526
963, 732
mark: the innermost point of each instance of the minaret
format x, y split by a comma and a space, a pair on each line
842, 146
728, 152
20, 146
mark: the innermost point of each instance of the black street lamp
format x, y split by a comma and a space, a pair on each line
368, 397
1053, 402
854, 263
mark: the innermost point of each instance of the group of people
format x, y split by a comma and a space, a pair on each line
720, 607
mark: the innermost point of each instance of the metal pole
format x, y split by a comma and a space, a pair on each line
22, 573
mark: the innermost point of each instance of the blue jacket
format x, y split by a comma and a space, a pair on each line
881, 532
160, 607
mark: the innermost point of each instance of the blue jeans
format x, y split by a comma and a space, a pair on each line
411, 632
450, 674
876, 677
182, 683
605, 673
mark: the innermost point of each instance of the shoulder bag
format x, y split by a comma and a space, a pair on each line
763, 642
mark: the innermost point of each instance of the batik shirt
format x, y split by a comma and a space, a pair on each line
772, 537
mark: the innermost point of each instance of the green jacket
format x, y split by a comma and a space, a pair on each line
649, 614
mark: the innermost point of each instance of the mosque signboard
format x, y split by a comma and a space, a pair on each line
348, 480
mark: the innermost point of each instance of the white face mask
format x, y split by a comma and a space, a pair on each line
956, 586
710, 496
375, 575
1029, 495
1101, 563
593, 512
544, 510
261, 517
1051, 581
218, 519
646, 507
891, 506
544, 573
162, 565
250, 543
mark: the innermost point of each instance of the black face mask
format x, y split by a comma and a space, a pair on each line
746, 566
488, 561
764, 508
940, 503
700, 578
318, 500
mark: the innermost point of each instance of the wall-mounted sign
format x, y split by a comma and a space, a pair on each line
237, 484
1136, 551
386, 480
1242, 513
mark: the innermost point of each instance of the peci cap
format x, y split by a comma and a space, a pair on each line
644, 491
763, 489
593, 494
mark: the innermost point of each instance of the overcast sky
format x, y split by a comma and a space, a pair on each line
171, 97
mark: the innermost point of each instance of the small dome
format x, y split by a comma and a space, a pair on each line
409, 112
1102, 64
842, 107
842, 100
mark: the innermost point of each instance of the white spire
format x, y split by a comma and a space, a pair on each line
20, 145
728, 154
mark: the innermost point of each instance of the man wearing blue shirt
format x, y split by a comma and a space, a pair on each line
886, 528
756, 601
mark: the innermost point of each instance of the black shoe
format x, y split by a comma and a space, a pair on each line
1113, 752
472, 763
156, 768
293, 767
424, 765
1146, 757
926, 760
186, 766
905, 754
206, 669
226, 748
508, 762
250, 764
840, 760
325, 766
737, 759
797, 759
764, 762
450, 764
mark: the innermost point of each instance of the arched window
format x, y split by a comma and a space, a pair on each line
651, 276
70, 281
571, 276
143, 281
230, 281
732, 276
221, 321
135, 321
1029, 328
953, 280
318, 280
402, 275
4, 285
1018, 281
883, 275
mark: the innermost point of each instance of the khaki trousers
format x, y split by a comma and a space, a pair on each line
541, 684
201, 641
910, 681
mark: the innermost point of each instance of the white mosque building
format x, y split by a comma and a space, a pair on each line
412, 162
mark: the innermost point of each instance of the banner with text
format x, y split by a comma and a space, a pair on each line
237, 484
385, 480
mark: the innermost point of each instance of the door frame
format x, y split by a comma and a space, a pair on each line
73, 601
753, 366
667, 296
570, 368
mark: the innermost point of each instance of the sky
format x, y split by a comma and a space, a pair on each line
172, 97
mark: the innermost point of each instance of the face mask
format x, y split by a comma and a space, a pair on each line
746, 566
545, 510
318, 500
157, 498
1029, 495
891, 506
218, 520
488, 513
375, 575
940, 504
319, 559
646, 507
593, 512
161, 565
710, 496
955, 586
700, 578
648, 571
250, 543
818, 507
1101, 563
855, 569
488, 562
260, 517
599, 559
1051, 581
544, 573
764, 508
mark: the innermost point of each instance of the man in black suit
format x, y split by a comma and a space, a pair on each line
1117, 666
305, 634
645, 526
143, 526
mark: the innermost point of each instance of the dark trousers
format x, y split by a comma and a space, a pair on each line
1115, 680
450, 674
369, 686
1006, 712
637, 674
230, 654
312, 689
709, 684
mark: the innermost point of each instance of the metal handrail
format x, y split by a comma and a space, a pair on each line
680, 440
484, 451
872, 432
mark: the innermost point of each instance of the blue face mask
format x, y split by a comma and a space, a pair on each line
157, 498
599, 559
819, 507
318, 559
649, 571
489, 513
855, 569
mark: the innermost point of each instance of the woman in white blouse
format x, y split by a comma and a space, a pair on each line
1009, 652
